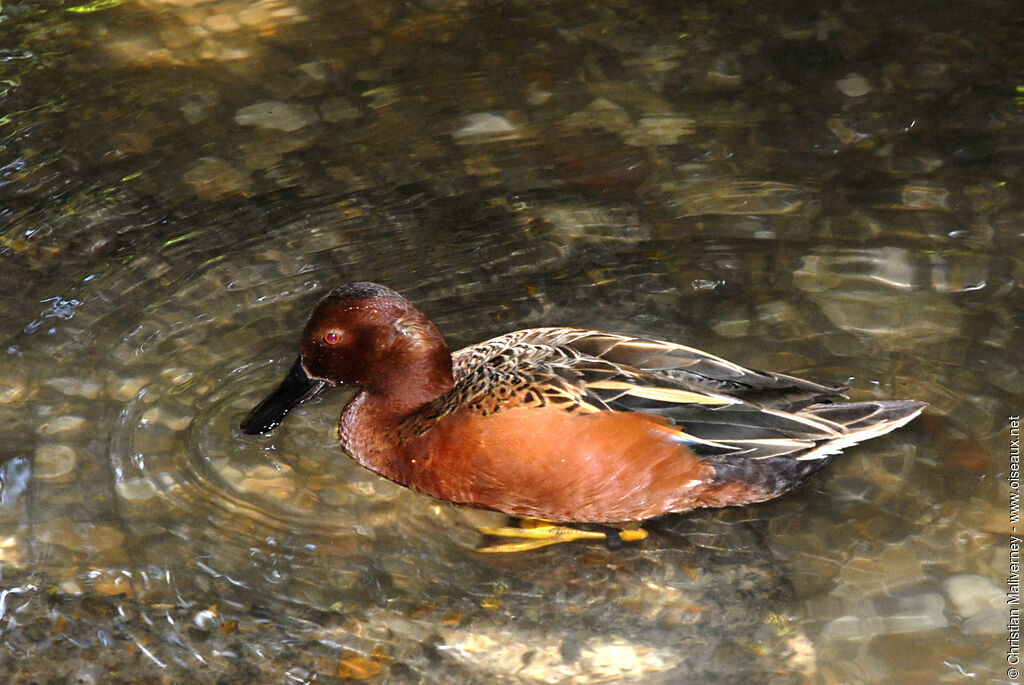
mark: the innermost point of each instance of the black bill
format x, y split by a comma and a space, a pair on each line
296, 388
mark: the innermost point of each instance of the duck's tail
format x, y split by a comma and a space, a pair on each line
843, 425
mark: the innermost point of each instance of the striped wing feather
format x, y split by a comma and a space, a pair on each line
717, 408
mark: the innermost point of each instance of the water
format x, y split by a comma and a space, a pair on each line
793, 189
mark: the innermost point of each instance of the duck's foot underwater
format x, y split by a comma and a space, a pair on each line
535, 533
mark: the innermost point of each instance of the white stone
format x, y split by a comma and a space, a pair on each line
136, 489
972, 594
53, 461
76, 387
484, 126
854, 86
62, 424
280, 116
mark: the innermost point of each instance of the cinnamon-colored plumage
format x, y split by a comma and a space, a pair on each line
564, 424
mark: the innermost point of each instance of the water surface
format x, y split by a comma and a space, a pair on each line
831, 191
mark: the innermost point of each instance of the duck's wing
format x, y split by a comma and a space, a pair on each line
680, 366
714, 407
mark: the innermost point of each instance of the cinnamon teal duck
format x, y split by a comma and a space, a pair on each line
563, 424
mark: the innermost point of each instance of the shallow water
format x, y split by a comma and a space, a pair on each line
794, 189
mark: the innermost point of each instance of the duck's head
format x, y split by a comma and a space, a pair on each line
361, 335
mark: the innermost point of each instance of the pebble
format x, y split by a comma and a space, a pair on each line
913, 614
93, 538
75, 387
543, 661
892, 569
159, 416
256, 15
485, 127
278, 489
317, 71
14, 392
538, 97
276, 115
128, 388
270, 472
206, 619
54, 461
972, 594
213, 51
11, 555
726, 71
221, 23
62, 424
354, 667
178, 37
81, 537
141, 50
136, 489
286, 13
854, 86
600, 113
660, 130
87, 675
266, 481
214, 179
111, 587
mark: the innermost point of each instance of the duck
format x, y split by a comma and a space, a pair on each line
563, 427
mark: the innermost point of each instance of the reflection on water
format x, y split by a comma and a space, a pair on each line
790, 188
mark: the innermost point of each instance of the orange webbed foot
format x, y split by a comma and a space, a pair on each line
536, 533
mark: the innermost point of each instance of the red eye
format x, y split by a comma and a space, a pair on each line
332, 337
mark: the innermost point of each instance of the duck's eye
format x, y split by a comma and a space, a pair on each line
332, 337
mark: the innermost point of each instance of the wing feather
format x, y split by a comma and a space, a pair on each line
716, 407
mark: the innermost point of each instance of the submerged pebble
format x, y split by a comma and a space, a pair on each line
75, 387
157, 415
63, 424
660, 130
215, 179
136, 489
14, 391
979, 601
128, 388
80, 537
854, 86
54, 461
543, 661
280, 116
485, 127
913, 614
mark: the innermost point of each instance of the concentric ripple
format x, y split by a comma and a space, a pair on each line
182, 466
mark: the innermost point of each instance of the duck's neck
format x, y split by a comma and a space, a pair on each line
411, 371
412, 380
369, 427
402, 383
